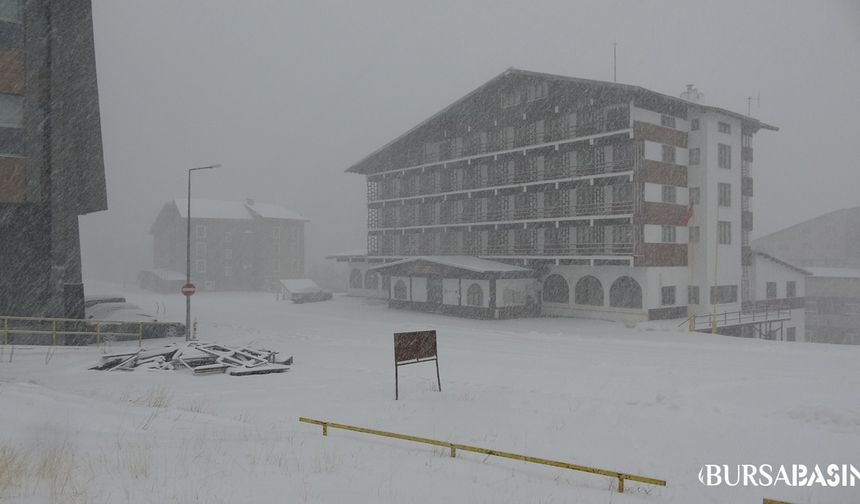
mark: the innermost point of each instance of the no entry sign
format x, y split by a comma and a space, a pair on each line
188, 289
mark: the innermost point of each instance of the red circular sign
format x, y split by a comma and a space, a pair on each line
188, 289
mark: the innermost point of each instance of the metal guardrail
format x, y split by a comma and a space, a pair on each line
57, 327
771, 501
726, 319
621, 477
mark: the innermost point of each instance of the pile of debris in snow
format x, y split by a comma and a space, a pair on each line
200, 358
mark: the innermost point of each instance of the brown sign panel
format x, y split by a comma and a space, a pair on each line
413, 346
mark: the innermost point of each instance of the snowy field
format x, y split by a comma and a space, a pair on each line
656, 403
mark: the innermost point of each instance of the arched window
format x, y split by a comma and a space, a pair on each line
400, 289
475, 295
355, 279
371, 280
625, 293
556, 290
589, 291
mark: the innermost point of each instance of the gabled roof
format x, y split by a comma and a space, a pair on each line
234, 210
822, 217
468, 263
270, 211
357, 168
783, 263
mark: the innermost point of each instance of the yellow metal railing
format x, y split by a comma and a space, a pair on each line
14, 325
621, 477
771, 501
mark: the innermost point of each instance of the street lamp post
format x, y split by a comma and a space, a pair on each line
188, 252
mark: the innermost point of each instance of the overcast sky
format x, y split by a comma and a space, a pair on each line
286, 95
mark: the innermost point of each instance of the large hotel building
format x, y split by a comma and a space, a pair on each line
546, 194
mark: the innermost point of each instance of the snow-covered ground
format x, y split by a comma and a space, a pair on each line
656, 403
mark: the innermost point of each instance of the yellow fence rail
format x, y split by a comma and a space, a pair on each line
621, 477
57, 327
771, 501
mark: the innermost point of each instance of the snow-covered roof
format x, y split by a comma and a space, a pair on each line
783, 263
469, 263
361, 166
348, 253
234, 210
270, 211
300, 285
835, 272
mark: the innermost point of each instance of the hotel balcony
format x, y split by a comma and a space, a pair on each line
486, 144
509, 215
426, 187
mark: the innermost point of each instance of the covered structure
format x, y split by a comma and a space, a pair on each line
462, 285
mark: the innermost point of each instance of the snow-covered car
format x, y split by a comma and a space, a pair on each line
303, 290
94, 299
129, 312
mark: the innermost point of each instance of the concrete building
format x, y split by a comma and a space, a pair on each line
235, 245
831, 240
51, 167
833, 305
624, 203
829, 247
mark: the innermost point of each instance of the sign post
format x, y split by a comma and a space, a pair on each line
413, 348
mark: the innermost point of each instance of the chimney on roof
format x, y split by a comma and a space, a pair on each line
250, 201
693, 95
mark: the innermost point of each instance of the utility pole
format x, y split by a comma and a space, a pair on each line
188, 251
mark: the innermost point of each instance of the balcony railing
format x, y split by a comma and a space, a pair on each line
500, 179
566, 249
513, 214
496, 142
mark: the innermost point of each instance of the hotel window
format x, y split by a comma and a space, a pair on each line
667, 121
725, 194
200, 231
200, 266
695, 155
667, 296
668, 233
693, 294
724, 127
725, 232
694, 124
724, 156
771, 290
695, 234
228, 237
791, 289
668, 154
228, 270
695, 195
791, 334
669, 194
200, 250
11, 111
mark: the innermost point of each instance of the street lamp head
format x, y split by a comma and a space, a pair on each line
205, 167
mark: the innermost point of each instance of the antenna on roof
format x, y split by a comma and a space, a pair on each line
750, 100
614, 62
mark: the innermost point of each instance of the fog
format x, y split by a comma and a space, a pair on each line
287, 95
